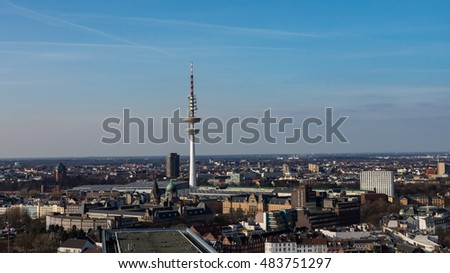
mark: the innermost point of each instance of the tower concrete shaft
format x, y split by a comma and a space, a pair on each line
191, 131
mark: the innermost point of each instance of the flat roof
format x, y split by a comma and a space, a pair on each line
141, 186
156, 241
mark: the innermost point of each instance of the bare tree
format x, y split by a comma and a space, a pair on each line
17, 217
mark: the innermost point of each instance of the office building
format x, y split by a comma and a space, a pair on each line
443, 168
60, 172
303, 197
173, 165
314, 168
378, 181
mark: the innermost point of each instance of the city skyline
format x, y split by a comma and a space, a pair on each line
67, 67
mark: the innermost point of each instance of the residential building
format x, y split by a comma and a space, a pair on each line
295, 244
242, 243
312, 245
75, 246
423, 200
314, 168
281, 244
234, 179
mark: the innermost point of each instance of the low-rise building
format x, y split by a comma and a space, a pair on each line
67, 222
277, 220
423, 200
241, 243
312, 245
75, 246
295, 244
347, 234
433, 223
315, 219
252, 204
281, 244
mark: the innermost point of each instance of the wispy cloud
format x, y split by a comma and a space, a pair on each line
375, 54
45, 55
215, 27
54, 21
63, 23
64, 44
261, 48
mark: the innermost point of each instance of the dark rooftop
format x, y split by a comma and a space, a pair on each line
158, 241
74, 243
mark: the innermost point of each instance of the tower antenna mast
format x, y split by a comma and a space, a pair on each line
191, 131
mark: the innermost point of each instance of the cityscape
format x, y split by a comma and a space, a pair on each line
233, 170
248, 203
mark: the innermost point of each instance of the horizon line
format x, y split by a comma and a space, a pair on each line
222, 155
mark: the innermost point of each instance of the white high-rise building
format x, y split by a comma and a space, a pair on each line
378, 181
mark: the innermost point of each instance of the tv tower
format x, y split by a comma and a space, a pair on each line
191, 120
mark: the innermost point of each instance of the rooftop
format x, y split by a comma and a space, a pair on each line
160, 241
74, 243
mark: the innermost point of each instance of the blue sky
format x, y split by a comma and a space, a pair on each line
67, 65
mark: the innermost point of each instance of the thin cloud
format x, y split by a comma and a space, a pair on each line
379, 54
53, 21
262, 48
64, 44
63, 23
234, 29
45, 55
50, 20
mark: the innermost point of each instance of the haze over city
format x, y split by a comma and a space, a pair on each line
66, 66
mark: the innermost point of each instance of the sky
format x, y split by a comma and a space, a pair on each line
66, 66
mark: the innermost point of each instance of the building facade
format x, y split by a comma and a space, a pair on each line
173, 165
60, 172
423, 200
296, 245
378, 181
67, 222
252, 204
314, 168
443, 168
277, 220
243, 205
316, 219
303, 197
